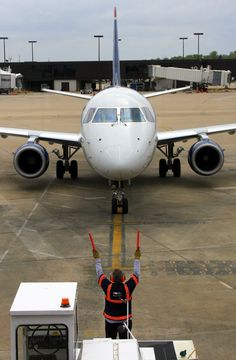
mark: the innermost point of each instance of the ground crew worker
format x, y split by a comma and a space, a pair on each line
117, 292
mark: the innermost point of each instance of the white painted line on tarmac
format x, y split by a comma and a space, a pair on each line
19, 232
66, 195
95, 198
226, 285
42, 253
225, 188
79, 196
3, 256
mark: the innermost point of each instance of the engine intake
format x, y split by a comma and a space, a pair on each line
31, 160
206, 157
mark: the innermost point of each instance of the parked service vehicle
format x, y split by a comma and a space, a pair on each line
9, 81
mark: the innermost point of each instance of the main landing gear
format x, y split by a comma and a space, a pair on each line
172, 163
119, 203
64, 164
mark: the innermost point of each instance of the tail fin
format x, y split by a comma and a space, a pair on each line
116, 60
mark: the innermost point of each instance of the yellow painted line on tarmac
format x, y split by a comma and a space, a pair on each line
116, 241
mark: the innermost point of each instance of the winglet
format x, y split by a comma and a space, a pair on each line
116, 61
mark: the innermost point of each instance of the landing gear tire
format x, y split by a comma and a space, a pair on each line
162, 168
125, 206
60, 170
73, 169
176, 168
114, 206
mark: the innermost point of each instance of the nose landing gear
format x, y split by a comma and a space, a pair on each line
119, 203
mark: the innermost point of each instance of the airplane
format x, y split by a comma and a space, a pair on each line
119, 137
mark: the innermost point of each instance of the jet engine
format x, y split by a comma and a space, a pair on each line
31, 160
206, 157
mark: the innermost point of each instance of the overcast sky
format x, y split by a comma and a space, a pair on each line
149, 29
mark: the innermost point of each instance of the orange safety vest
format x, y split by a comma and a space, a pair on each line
116, 308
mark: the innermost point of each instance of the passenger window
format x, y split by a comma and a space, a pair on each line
105, 115
88, 117
131, 115
148, 114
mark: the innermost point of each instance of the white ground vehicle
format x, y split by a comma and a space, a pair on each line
9, 81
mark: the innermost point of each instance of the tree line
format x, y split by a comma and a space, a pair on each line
211, 55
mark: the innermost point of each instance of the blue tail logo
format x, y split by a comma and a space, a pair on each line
116, 60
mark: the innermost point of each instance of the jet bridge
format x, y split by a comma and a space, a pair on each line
198, 76
44, 326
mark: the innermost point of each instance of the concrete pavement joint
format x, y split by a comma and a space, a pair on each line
19, 232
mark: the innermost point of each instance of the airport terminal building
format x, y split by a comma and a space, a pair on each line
80, 75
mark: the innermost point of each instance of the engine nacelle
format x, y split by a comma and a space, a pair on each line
31, 160
206, 157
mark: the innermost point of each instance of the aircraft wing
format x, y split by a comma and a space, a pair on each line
165, 137
65, 93
165, 92
36, 135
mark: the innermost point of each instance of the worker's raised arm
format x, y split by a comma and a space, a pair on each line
98, 263
137, 256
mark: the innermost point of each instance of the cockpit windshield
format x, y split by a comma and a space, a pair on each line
131, 115
112, 115
89, 115
105, 115
148, 114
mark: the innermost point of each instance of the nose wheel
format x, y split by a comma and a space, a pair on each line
119, 207
119, 203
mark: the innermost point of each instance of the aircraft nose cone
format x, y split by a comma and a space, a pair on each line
115, 155
121, 162
115, 161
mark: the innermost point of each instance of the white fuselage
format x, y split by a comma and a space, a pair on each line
119, 133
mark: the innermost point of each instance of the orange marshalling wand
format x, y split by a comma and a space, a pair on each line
138, 240
92, 241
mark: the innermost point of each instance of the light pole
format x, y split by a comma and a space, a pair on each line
99, 57
198, 34
183, 38
99, 45
32, 42
4, 38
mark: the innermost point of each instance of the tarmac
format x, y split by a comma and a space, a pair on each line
187, 224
